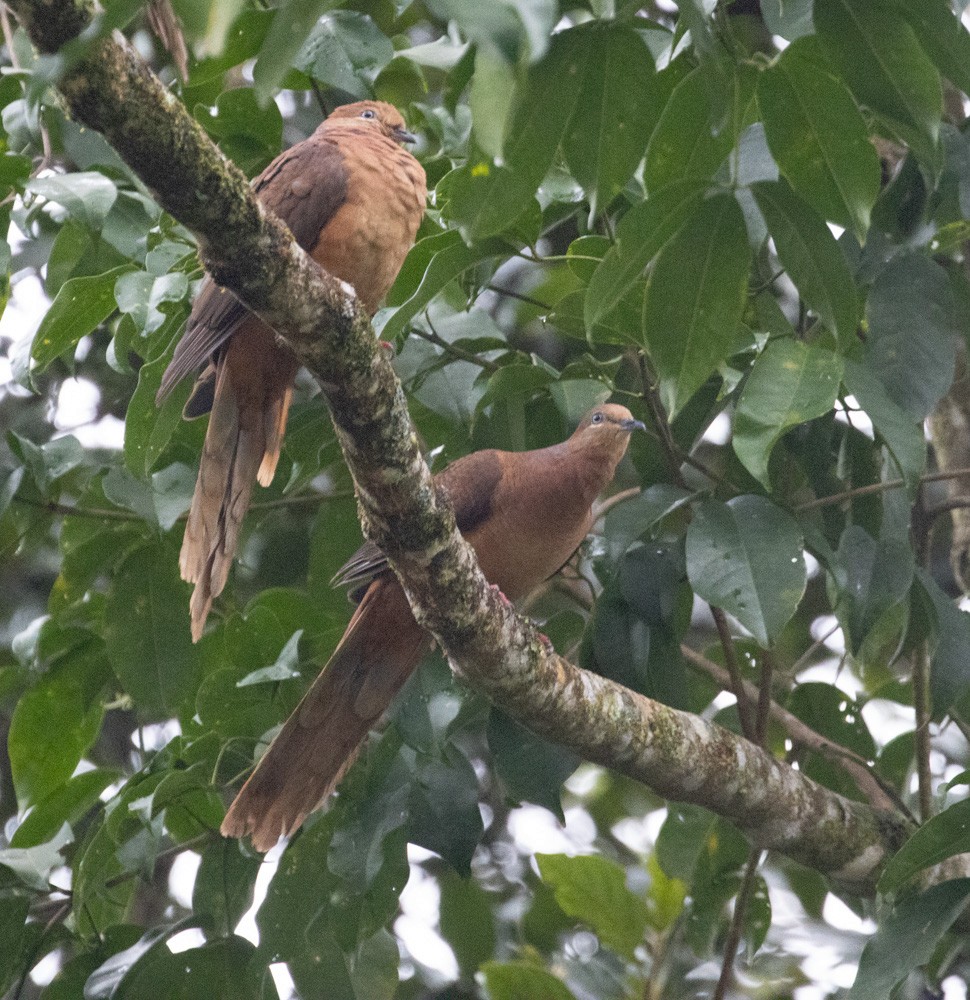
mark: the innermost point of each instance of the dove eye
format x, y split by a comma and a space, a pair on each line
368, 114
597, 418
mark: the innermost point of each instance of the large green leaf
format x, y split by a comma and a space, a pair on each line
818, 137
640, 236
291, 26
55, 722
545, 105
449, 260
902, 432
912, 333
686, 142
522, 981
87, 195
943, 36
79, 306
881, 59
940, 838
811, 256
746, 556
695, 298
950, 644
485, 199
791, 382
907, 938
608, 131
594, 890
872, 577
66, 804
347, 50
147, 631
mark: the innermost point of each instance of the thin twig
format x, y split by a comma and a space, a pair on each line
69, 510
737, 923
433, 337
748, 726
604, 506
889, 484
946, 507
879, 794
528, 299
658, 414
764, 697
921, 702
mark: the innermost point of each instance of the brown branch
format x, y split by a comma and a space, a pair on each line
737, 685
921, 702
889, 484
432, 336
880, 796
676, 753
737, 924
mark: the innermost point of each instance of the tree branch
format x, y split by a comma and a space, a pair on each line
247, 250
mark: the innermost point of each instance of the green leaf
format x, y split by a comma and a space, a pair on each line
13, 938
950, 664
696, 297
33, 865
746, 556
149, 427
284, 668
940, 838
881, 59
467, 923
912, 333
224, 884
789, 18
522, 981
608, 133
452, 259
818, 137
791, 382
66, 804
345, 50
490, 100
640, 236
546, 103
812, 257
943, 37
289, 30
629, 521
147, 631
902, 433
517, 30
87, 195
80, 305
686, 142
530, 768
139, 295
872, 578
484, 198
834, 714
247, 133
593, 889
55, 722
907, 938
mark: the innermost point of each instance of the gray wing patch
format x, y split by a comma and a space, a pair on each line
360, 570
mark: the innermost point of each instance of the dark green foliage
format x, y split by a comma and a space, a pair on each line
760, 249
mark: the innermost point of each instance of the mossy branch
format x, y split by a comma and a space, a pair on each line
108, 87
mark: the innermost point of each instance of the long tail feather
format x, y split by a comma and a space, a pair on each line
321, 738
